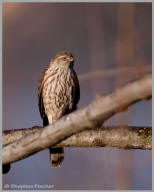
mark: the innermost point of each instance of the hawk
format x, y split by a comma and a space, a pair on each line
58, 95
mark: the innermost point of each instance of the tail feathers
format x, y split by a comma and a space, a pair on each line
56, 156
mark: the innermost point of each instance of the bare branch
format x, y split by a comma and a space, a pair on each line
90, 117
126, 137
12, 135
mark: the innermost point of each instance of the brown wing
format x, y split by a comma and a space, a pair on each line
75, 91
40, 99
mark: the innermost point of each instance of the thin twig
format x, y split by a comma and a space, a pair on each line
117, 71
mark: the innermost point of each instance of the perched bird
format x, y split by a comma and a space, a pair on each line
58, 95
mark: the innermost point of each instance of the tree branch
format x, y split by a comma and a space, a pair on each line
126, 137
90, 117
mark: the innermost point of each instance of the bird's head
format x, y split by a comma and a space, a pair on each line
63, 59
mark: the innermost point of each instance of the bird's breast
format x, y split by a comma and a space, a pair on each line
57, 90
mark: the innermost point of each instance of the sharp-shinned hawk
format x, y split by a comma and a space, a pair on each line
58, 95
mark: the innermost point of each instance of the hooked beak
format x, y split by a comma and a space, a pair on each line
71, 59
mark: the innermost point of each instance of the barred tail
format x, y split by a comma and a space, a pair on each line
56, 156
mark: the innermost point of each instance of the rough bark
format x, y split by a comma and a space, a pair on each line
90, 117
124, 137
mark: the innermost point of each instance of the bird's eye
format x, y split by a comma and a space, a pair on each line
64, 58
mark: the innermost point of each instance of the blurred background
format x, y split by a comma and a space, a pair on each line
112, 45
